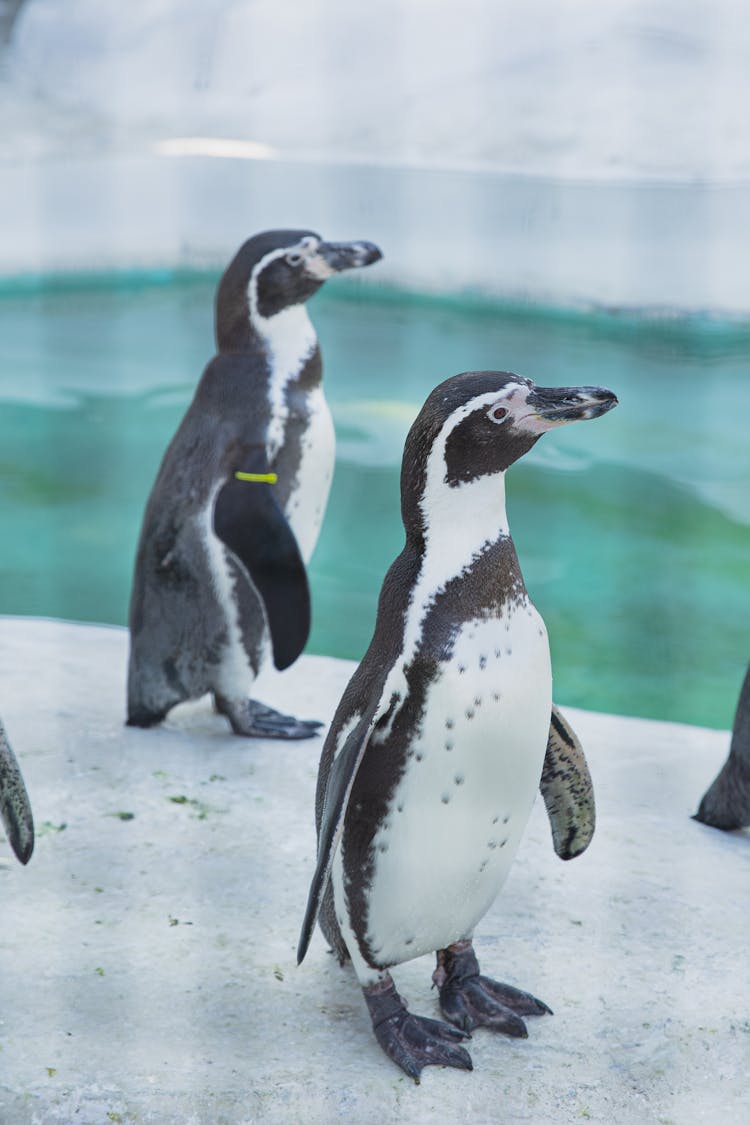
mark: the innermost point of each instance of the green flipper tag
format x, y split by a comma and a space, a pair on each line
263, 478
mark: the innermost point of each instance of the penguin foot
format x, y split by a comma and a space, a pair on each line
470, 1000
726, 804
140, 717
413, 1042
254, 720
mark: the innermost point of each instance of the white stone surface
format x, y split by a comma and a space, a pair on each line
147, 969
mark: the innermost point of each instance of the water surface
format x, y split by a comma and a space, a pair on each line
632, 530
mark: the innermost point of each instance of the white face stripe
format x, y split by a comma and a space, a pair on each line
306, 250
435, 484
252, 285
515, 399
289, 339
315, 265
462, 519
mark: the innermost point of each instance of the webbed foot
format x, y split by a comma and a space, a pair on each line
141, 717
413, 1042
254, 720
470, 1000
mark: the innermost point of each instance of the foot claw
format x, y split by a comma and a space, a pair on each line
413, 1042
471, 1005
523, 1003
254, 720
470, 1000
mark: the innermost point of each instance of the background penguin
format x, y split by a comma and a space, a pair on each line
443, 735
726, 804
15, 808
220, 569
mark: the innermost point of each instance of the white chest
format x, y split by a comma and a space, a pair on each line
460, 808
307, 502
289, 339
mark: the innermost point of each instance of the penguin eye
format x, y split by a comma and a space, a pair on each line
498, 413
293, 258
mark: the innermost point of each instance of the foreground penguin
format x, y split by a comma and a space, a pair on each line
220, 582
443, 735
726, 804
15, 808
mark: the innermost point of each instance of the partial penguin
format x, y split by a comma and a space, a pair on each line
220, 586
726, 803
15, 807
447, 728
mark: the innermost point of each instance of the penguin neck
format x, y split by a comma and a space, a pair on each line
459, 523
287, 338
458, 529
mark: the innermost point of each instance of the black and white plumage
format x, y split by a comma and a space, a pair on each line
15, 807
447, 728
220, 584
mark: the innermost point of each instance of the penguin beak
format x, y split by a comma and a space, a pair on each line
556, 406
340, 256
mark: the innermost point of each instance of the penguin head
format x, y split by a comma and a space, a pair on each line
475, 425
274, 271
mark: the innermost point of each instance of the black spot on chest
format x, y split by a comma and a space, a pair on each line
487, 590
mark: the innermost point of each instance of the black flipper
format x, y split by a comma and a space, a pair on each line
15, 807
567, 790
339, 786
249, 521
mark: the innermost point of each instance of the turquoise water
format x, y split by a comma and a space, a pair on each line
633, 531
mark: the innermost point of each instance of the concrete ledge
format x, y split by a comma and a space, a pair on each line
147, 961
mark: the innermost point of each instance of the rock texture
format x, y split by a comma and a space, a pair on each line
147, 969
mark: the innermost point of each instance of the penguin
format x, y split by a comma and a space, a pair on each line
15, 807
220, 587
447, 728
726, 803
